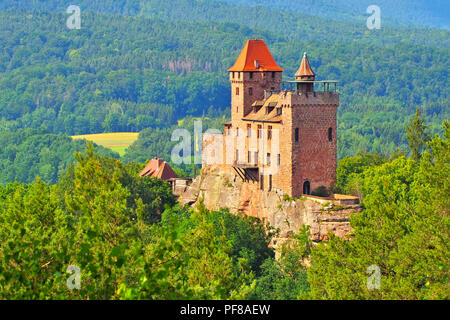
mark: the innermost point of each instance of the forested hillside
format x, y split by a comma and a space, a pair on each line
415, 12
148, 65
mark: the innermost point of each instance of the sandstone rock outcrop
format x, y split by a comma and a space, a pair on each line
219, 187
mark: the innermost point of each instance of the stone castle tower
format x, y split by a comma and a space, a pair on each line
282, 134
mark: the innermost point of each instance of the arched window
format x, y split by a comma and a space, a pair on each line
306, 188
330, 134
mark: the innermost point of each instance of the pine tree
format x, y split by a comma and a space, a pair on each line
417, 135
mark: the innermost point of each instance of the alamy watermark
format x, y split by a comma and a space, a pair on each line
374, 21
251, 147
74, 20
74, 281
374, 280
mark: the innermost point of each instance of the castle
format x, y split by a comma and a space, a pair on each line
282, 134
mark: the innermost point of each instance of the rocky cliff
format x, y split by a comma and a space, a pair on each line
219, 187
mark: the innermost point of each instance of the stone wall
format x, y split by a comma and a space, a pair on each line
219, 187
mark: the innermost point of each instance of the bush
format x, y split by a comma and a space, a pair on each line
321, 191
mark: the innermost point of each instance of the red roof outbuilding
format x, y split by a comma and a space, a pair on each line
158, 168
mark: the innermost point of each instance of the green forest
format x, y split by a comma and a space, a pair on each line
130, 239
149, 67
141, 67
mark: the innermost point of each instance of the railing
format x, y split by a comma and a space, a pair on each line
292, 85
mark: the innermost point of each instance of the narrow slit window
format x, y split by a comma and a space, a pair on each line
330, 134
296, 134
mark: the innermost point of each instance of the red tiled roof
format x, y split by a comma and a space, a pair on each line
305, 68
261, 115
255, 57
158, 168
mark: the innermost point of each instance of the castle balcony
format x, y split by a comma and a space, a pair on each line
247, 172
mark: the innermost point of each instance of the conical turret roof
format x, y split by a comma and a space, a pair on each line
305, 68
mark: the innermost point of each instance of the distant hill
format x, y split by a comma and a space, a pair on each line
306, 20
433, 13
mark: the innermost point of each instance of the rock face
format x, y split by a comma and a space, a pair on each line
218, 187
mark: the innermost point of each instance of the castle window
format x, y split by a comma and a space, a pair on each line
250, 91
330, 134
268, 159
273, 75
259, 131
269, 133
278, 159
279, 111
237, 155
296, 134
261, 180
237, 132
239, 75
233, 74
256, 157
237, 91
251, 75
249, 157
270, 182
249, 130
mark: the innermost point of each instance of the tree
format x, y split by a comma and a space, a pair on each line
285, 278
403, 230
417, 135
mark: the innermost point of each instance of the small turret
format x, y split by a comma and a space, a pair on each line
305, 73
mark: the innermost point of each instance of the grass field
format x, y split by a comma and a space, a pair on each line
117, 142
